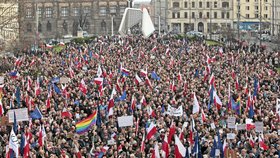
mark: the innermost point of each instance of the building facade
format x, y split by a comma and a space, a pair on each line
252, 12
42, 20
9, 29
199, 15
276, 15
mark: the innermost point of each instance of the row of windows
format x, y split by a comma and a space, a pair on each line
200, 4
200, 15
256, 7
256, 1
65, 11
247, 16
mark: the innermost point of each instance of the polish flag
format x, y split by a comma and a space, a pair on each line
151, 112
1, 108
137, 126
143, 73
233, 75
180, 150
83, 87
246, 90
171, 63
203, 116
98, 80
236, 84
18, 62
37, 87
148, 82
208, 59
165, 147
133, 102
111, 102
64, 91
208, 69
26, 148
172, 87
61, 44
249, 124
42, 135
151, 130
77, 152
185, 86
32, 62
248, 102
154, 49
104, 149
143, 101
195, 104
95, 55
71, 73
99, 71
262, 144
251, 141
221, 51
104, 73
137, 79
125, 71
217, 101
172, 131
48, 102
212, 79
167, 51
48, 46
155, 153
225, 146
100, 90
66, 113
143, 143
29, 83
179, 77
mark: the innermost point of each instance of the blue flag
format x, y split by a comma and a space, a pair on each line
36, 114
211, 100
90, 54
55, 79
213, 149
98, 121
251, 112
155, 76
56, 89
220, 145
15, 125
255, 87
122, 98
17, 94
22, 142
196, 73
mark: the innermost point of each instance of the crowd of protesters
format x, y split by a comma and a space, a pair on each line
185, 71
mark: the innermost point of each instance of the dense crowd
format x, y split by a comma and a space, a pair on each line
174, 73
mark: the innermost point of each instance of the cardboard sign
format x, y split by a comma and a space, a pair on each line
1, 80
174, 111
21, 115
230, 136
64, 80
241, 127
231, 122
213, 125
125, 121
259, 127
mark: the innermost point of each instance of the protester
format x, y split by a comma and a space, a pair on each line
181, 95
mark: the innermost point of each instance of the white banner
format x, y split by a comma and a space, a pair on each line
21, 115
230, 136
175, 111
1, 79
241, 127
231, 122
125, 121
259, 127
278, 106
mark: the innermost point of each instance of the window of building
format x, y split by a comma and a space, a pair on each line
265, 16
178, 15
186, 14
102, 11
48, 12
265, 1
247, 0
215, 4
223, 15
256, 15
207, 4
215, 15
193, 4
200, 15
200, 4
193, 15
122, 9
265, 8
76, 11
228, 15
208, 15
247, 16
176, 4
29, 27
113, 10
186, 4
40, 12
173, 15
225, 5
49, 26
39, 27
256, 7
86, 10
28, 13
64, 11
247, 7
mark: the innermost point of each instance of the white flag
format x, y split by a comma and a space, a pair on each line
195, 104
13, 143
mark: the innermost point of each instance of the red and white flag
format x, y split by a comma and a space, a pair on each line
151, 131
236, 84
77, 152
155, 153
99, 71
151, 112
83, 87
148, 82
172, 131
48, 46
262, 144
1, 108
233, 74
42, 135
98, 80
143, 73
165, 147
48, 102
37, 87
29, 83
66, 113
32, 62
137, 79
179, 77
71, 72
225, 146
133, 102
217, 101
212, 79
111, 102
172, 87
195, 104
143, 101
249, 124
251, 141
203, 116
18, 62
180, 150
143, 143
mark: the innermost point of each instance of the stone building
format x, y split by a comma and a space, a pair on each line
42, 20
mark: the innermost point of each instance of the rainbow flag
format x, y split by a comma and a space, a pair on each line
84, 125
238, 107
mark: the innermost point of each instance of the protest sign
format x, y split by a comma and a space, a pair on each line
64, 80
241, 127
174, 111
231, 122
125, 121
213, 125
21, 115
278, 106
1, 80
259, 127
230, 136
111, 142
